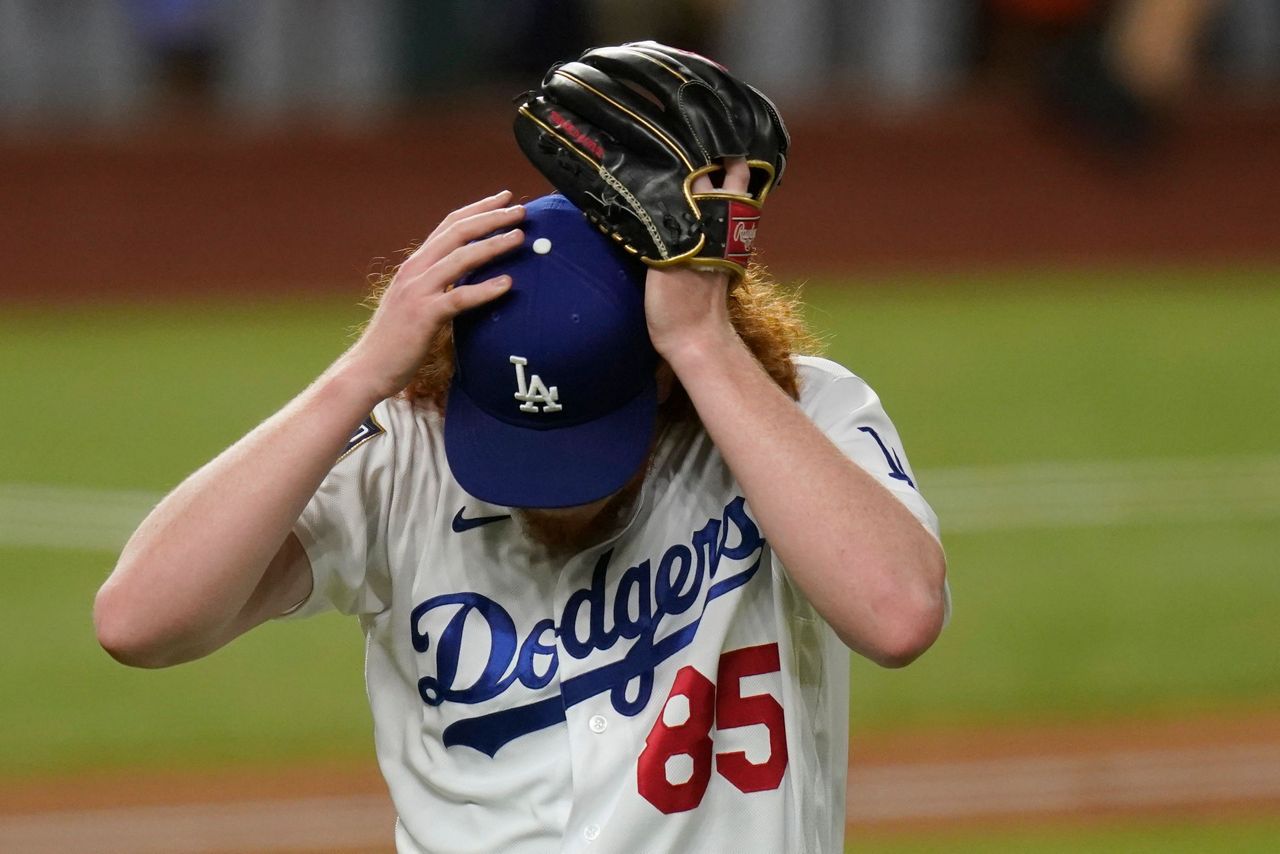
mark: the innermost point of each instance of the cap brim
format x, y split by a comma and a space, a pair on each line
512, 466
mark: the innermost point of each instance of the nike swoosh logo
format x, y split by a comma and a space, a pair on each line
461, 523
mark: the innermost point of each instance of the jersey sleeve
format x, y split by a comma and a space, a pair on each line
849, 412
344, 527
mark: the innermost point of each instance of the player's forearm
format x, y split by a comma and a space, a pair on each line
200, 568
868, 565
199, 560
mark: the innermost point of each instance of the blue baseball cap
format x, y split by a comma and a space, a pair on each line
553, 401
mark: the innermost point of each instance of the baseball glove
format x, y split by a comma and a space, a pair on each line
625, 131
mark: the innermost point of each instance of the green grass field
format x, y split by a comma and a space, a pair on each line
1143, 619
1075, 623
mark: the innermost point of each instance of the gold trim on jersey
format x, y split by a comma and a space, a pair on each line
380, 431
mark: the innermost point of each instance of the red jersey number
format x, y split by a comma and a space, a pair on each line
689, 734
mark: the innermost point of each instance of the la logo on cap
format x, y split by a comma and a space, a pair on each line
533, 391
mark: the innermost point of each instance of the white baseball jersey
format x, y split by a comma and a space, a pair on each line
668, 690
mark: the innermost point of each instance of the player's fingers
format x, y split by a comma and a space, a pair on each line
734, 176
468, 257
478, 225
737, 175
497, 200
467, 297
458, 233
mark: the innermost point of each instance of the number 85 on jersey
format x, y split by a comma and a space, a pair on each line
680, 745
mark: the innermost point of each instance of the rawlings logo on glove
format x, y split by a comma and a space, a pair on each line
625, 131
576, 135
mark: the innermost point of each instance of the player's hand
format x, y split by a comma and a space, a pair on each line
685, 306
421, 296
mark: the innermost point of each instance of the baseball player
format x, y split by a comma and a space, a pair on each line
610, 540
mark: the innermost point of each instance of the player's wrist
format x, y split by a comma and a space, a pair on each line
354, 380
700, 348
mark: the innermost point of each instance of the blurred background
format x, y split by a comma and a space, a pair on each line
1046, 231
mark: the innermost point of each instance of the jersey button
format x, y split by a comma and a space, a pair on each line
591, 831
598, 723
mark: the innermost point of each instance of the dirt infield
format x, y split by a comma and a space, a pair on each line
187, 206
1217, 767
